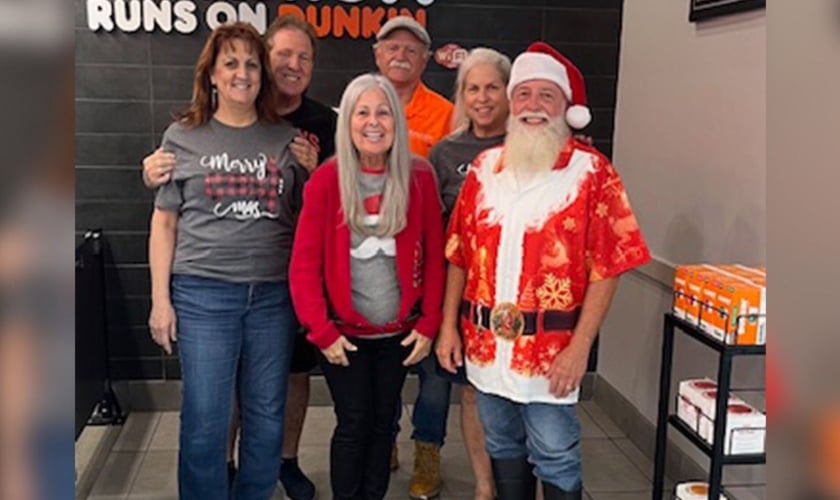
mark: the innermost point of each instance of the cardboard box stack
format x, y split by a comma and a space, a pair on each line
729, 302
694, 491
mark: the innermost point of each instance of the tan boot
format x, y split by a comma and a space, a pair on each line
425, 482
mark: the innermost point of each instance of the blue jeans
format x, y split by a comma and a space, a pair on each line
547, 434
232, 338
431, 409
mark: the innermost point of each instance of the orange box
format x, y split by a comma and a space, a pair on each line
762, 312
738, 303
682, 301
696, 284
741, 270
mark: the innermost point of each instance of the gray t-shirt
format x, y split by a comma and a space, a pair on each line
374, 283
451, 158
237, 192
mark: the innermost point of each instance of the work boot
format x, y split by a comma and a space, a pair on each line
395, 458
425, 482
551, 492
514, 479
295, 483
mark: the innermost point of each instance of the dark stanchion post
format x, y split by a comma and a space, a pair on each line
664, 399
721, 413
108, 410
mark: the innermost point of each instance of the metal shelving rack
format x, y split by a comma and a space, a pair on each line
715, 451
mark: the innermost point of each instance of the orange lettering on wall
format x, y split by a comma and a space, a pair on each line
322, 29
371, 21
291, 9
346, 21
351, 22
419, 16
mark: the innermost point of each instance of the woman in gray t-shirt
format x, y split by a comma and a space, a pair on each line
481, 111
219, 248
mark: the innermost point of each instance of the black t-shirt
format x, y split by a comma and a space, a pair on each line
318, 123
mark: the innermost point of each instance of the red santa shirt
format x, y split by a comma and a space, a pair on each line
537, 248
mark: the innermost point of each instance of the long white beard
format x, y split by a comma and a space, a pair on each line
531, 150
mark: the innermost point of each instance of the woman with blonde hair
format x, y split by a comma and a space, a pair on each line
367, 277
479, 122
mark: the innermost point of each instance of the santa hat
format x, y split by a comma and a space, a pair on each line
542, 62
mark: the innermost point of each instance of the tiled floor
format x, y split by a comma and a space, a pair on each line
143, 461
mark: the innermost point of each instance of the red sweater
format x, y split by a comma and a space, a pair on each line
319, 273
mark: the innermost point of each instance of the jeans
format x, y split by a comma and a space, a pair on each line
431, 408
232, 338
366, 394
547, 434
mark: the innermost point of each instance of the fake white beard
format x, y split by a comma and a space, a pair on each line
530, 149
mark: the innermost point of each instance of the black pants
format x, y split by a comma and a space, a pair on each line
365, 395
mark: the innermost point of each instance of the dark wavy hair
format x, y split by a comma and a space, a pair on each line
201, 108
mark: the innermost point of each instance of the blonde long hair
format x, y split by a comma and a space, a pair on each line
476, 57
394, 206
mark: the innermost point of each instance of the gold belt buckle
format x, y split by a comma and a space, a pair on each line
506, 321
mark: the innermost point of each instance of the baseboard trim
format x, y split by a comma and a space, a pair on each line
165, 395
91, 452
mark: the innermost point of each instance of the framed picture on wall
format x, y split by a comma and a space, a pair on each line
707, 9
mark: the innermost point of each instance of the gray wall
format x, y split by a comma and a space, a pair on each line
127, 85
690, 145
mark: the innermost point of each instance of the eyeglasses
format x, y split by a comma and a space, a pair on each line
412, 50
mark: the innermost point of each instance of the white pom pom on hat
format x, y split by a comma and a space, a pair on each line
543, 62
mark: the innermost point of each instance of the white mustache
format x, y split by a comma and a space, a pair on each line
533, 114
372, 245
399, 64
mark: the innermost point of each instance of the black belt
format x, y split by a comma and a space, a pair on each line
552, 320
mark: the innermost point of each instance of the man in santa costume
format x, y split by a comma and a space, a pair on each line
539, 235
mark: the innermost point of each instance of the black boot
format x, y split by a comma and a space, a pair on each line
551, 492
514, 479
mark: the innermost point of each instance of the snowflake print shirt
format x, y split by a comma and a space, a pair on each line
237, 191
538, 246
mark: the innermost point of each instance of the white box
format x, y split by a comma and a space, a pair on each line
695, 491
690, 393
707, 402
746, 429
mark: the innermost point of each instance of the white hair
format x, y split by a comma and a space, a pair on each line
394, 206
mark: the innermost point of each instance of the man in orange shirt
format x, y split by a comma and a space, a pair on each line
402, 52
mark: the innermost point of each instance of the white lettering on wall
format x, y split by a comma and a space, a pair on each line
131, 15
99, 15
255, 15
186, 21
128, 15
157, 15
220, 13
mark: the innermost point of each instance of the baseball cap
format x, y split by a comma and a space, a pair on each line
404, 23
